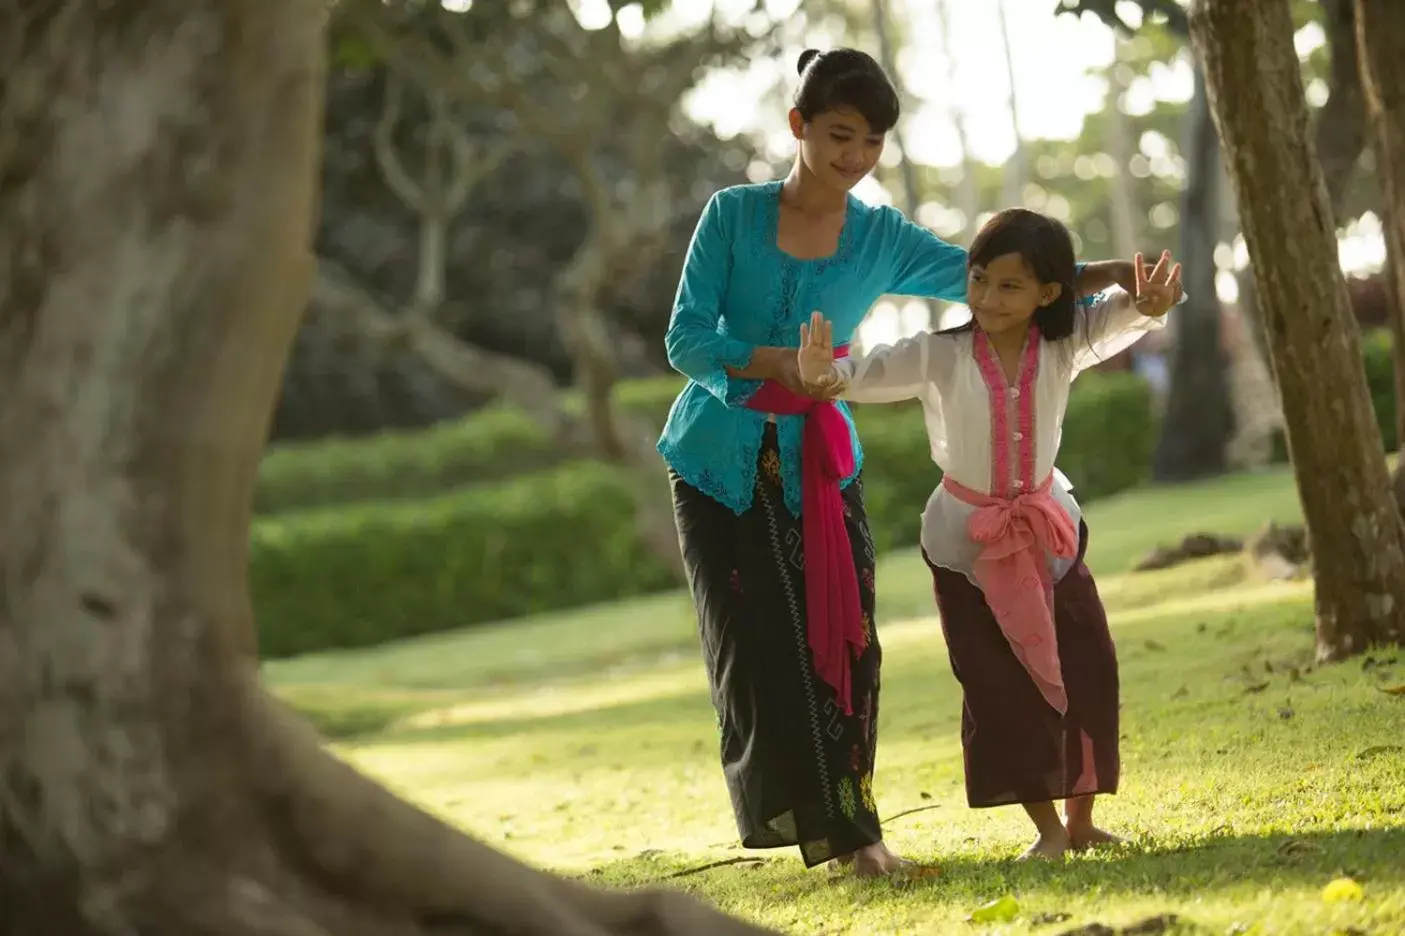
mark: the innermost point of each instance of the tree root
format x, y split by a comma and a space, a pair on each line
357, 837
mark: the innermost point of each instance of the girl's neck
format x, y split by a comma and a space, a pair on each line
1009, 342
806, 194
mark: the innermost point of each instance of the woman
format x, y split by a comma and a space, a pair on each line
785, 608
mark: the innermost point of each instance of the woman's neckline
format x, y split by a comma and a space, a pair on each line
773, 228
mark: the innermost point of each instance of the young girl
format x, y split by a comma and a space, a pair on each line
1024, 626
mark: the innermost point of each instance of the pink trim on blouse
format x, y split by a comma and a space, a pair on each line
1018, 526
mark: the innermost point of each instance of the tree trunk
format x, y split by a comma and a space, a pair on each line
1358, 541
1125, 232
912, 194
1341, 123
1380, 42
1016, 172
1199, 418
968, 197
157, 191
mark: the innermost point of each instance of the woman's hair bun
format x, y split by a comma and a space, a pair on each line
806, 57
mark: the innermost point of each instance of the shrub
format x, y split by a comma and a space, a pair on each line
564, 537
373, 572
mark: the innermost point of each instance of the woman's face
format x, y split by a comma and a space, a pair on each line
838, 147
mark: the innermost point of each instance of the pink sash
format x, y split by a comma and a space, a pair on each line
834, 615
1016, 537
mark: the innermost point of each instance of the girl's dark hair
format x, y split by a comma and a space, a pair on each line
1047, 249
846, 78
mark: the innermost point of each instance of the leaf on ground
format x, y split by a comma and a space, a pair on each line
1395, 690
1155, 647
1255, 687
1298, 847
1048, 919
1153, 926
1092, 929
1376, 750
911, 875
1342, 889
1001, 910
1286, 712
1181, 693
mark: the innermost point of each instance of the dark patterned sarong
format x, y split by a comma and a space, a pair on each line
800, 772
1017, 747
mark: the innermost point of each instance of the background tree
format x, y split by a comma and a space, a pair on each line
1199, 420
1255, 91
1379, 36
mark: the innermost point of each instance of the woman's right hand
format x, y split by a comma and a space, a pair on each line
815, 359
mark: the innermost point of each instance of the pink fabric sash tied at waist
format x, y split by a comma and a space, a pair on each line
834, 615
1016, 536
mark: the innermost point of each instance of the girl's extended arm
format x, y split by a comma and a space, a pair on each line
886, 374
1118, 320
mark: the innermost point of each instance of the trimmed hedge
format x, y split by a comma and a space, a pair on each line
564, 537
374, 572
493, 443
1377, 354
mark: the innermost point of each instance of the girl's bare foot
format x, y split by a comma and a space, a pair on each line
1082, 838
1050, 846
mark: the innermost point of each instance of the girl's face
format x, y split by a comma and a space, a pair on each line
838, 147
1004, 294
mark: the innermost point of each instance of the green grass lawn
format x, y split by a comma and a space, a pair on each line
585, 742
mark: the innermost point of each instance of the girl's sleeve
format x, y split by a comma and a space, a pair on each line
1106, 327
922, 263
696, 341
890, 373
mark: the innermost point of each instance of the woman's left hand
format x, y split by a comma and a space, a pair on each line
1156, 291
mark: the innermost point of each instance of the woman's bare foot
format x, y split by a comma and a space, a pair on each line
871, 861
1050, 846
1083, 838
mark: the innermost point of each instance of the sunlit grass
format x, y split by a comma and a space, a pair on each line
585, 742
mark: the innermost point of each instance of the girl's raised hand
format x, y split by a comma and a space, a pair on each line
1158, 290
816, 355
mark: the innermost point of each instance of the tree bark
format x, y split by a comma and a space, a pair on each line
1199, 418
1341, 122
157, 189
1380, 44
1016, 172
1358, 541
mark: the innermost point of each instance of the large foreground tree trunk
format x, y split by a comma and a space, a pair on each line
157, 165
1358, 541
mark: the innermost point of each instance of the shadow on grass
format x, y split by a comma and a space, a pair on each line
381, 721
1177, 870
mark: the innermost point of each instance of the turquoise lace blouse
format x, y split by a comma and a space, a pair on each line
739, 291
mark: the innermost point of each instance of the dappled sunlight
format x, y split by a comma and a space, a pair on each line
549, 700
1241, 790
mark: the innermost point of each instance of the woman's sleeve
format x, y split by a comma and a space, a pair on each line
696, 341
922, 263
